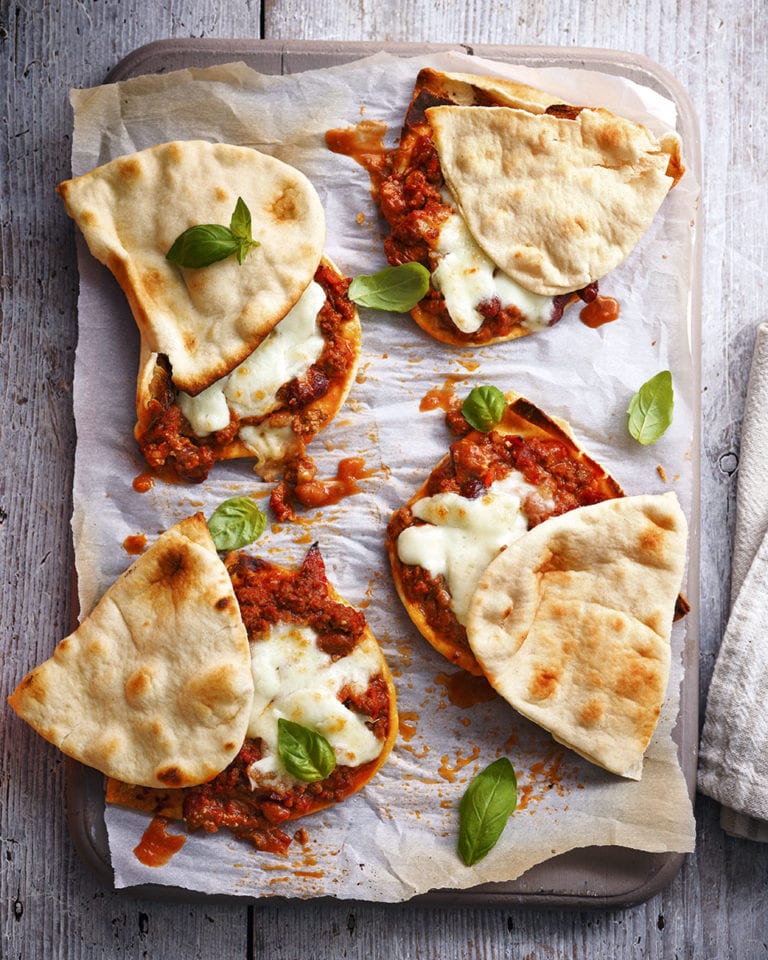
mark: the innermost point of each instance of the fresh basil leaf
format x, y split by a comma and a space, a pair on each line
235, 523
206, 243
650, 410
484, 810
240, 224
484, 408
202, 245
304, 753
394, 288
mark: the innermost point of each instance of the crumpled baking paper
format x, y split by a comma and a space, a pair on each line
397, 838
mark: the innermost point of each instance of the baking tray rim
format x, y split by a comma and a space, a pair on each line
85, 800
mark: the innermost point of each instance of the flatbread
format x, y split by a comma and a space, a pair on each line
315, 662
571, 624
155, 685
289, 413
514, 201
206, 320
566, 477
556, 202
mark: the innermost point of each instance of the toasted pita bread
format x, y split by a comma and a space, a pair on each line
155, 685
571, 624
514, 220
573, 479
132, 209
556, 202
281, 420
315, 662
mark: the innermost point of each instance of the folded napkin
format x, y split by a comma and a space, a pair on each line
733, 756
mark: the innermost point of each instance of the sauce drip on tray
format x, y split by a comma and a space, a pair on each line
135, 544
601, 310
464, 689
364, 143
323, 493
157, 846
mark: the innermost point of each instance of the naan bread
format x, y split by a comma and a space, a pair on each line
155, 686
556, 201
571, 624
206, 320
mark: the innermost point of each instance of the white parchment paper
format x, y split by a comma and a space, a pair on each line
398, 837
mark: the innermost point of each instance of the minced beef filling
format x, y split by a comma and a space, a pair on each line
475, 462
268, 594
171, 446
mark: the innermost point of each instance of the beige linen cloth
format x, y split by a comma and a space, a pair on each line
733, 759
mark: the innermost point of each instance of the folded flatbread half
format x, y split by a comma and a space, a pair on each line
483, 495
237, 359
315, 662
571, 624
516, 202
155, 685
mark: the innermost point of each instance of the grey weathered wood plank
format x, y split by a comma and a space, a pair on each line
52, 906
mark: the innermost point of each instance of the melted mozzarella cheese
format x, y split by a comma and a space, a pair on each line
294, 679
251, 388
268, 444
466, 277
462, 536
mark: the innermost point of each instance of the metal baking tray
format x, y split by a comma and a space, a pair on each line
587, 877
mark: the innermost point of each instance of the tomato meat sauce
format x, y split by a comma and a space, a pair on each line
173, 450
564, 479
269, 594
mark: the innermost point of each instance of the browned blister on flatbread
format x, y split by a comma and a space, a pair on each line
155, 685
571, 624
205, 320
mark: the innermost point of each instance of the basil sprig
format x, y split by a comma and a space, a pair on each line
394, 288
235, 523
484, 408
484, 810
304, 753
206, 243
650, 410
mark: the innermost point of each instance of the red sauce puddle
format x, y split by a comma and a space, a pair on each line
324, 493
157, 846
448, 771
441, 398
135, 544
601, 310
144, 482
364, 143
464, 689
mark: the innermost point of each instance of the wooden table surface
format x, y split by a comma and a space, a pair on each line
53, 906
